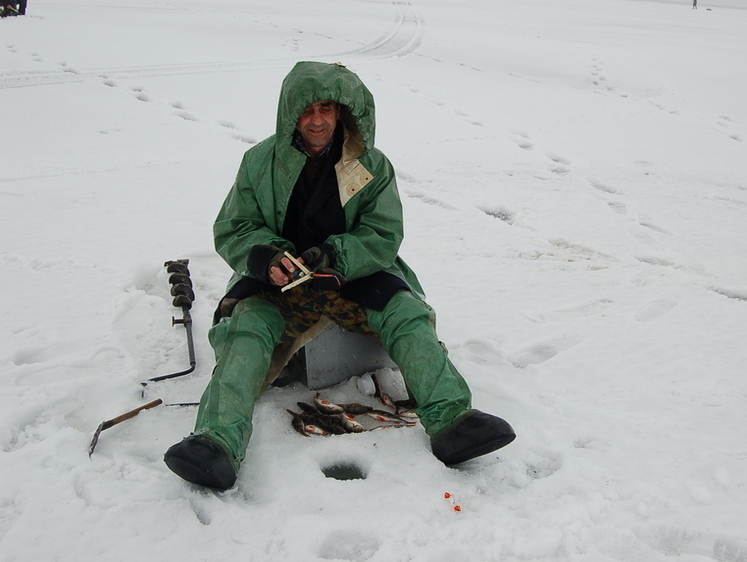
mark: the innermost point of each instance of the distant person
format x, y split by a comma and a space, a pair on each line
13, 9
695, 4
8, 10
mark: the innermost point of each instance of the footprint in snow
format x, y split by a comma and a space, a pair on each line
141, 94
533, 355
540, 352
30, 355
596, 72
236, 135
353, 545
201, 512
500, 213
675, 541
725, 123
557, 158
601, 186
648, 223
535, 464
244, 138
596, 307
483, 353
525, 144
598, 79
655, 309
468, 118
544, 468
562, 162
667, 109
23, 428
522, 140
67, 68
61, 353
430, 200
291, 44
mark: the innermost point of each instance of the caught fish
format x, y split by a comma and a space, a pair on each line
350, 424
327, 407
388, 417
314, 430
392, 426
355, 408
408, 414
329, 423
297, 424
307, 408
327, 418
406, 408
402, 408
304, 424
388, 401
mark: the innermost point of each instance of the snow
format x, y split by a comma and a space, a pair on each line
573, 176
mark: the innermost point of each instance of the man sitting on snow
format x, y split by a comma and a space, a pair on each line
319, 190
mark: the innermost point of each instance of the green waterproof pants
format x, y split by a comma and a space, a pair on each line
244, 343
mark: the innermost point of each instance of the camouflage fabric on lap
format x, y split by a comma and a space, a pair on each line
302, 307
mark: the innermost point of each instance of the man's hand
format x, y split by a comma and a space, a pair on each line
269, 264
284, 272
320, 261
319, 257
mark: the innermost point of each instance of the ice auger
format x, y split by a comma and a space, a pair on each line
181, 290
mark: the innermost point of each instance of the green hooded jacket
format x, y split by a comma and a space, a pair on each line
254, 210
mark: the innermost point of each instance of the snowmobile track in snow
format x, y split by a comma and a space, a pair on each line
403, 36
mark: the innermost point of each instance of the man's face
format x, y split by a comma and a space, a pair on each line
317, 125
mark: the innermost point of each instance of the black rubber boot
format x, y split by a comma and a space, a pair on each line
201, 461
475, 434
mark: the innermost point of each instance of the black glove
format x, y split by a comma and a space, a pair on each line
320, 260
261, 258
327, 279
319, 257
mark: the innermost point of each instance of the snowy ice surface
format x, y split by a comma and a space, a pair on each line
574, 177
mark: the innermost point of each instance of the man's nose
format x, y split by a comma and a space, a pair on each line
316, 118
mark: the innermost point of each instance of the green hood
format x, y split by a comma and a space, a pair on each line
311, 82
